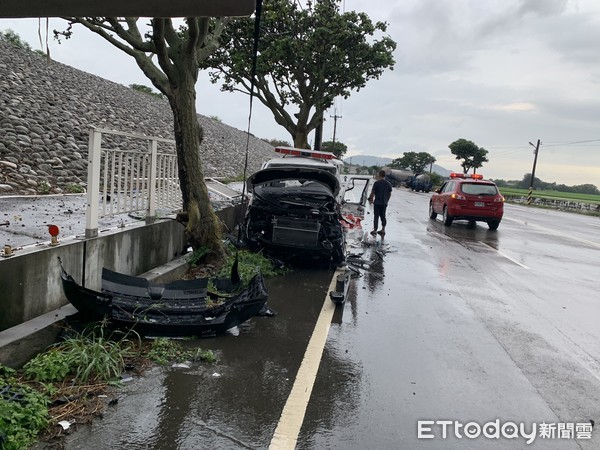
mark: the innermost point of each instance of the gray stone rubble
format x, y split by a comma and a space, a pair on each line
47, 109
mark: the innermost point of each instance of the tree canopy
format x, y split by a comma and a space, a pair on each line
339, 149
170, 57
308, 56
472, 156
416, 162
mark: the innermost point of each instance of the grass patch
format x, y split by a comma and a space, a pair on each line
552, 195
86, 356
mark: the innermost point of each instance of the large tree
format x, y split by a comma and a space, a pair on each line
308, 56
414, 161
170, 58
472, 156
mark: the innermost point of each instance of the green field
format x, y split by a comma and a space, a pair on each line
552, 195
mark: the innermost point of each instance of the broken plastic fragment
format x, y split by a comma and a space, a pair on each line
181, 366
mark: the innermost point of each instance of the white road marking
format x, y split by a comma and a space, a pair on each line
292, 416
504, 255
557, 233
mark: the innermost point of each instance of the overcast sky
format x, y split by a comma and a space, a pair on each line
501, 73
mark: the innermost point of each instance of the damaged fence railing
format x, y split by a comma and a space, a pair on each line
137, 178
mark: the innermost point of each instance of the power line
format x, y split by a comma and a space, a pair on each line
557, 144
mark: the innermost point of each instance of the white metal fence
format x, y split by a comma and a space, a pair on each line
121, 180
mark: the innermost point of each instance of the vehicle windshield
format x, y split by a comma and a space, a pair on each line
479, 189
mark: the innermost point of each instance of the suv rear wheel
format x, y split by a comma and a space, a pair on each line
493, 224
447, 218
432, 213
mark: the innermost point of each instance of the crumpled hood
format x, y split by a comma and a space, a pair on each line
280, 173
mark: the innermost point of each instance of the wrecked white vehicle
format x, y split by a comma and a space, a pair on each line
297, 214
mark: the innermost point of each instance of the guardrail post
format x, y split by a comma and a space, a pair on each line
151, 212
93, 187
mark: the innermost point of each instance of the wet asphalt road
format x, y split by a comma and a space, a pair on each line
457, 323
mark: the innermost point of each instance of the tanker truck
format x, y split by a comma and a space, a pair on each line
397, 177
421, 182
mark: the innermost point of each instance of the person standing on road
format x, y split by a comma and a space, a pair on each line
380, 196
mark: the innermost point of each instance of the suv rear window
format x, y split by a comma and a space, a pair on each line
479, 189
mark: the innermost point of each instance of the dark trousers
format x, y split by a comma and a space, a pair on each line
379, 212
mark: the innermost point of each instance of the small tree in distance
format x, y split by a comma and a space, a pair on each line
146, 90
278, 142
473, 156
416, 162
13, 38
339, 149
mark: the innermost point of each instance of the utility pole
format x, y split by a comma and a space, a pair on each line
319, 135
335, 117
535, 152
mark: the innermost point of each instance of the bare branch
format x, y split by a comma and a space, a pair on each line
162, 51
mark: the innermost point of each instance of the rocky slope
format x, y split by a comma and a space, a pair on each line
47, 109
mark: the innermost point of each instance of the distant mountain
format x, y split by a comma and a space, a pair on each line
366, 160
441, 171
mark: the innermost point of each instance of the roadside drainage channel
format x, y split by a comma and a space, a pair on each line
22, 342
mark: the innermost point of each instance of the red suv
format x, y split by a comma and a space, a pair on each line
468, 197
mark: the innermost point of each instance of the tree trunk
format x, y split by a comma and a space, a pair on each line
203, 227
301, 140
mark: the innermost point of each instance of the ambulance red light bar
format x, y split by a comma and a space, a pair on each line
290, 151
475, 176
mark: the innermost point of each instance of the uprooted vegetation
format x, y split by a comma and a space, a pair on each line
248, 264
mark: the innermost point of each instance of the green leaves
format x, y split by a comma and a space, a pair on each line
308, 57
249, 264
164, 351
416, 162
23, 414
473, 156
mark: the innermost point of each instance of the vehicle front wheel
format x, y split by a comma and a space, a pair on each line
447, 217
493, 224
432, 213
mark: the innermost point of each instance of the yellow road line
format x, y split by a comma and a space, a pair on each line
292, 416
